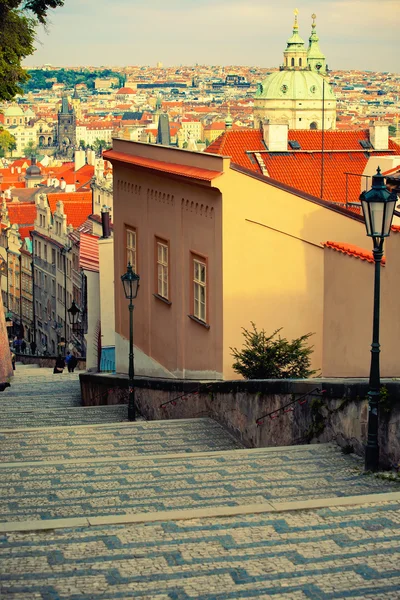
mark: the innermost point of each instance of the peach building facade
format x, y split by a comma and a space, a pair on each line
216, 247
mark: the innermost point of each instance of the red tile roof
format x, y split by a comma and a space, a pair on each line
77, 207
166, 167
21, 213
67, 197
25, 231
89, 252
301, 169
352, 250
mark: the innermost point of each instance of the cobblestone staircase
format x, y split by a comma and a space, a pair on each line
97, 509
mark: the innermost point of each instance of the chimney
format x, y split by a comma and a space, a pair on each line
379, 136
12, 170
99, 168
80, 159
90, 156
105, 223
275, 136
63, 184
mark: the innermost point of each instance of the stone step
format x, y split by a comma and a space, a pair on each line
334, 553
98, 488
116, 440
55, 417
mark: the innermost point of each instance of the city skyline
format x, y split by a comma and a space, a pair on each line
219, 32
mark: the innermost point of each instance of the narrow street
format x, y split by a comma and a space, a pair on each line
95, 507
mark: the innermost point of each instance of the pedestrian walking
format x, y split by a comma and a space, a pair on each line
13, 359
23, 346
68, 359
72, 363
33, 347
60, 365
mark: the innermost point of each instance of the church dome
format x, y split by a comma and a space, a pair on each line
294, 85
125, 91
14, 111
33, 169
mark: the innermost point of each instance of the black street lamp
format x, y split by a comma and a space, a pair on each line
130, 281
378, 205
73, 313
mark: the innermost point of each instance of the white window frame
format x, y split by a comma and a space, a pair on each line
200, 289
131, 250
162, 268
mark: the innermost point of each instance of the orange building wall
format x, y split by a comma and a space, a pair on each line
348, 312
273, 267
189, 218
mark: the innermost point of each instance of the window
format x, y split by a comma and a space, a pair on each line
131, 245
162, 268
199, 288
53, 256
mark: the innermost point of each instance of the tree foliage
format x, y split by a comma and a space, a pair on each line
7, 142
42, 79
30, 150
100, 145
263, 357
18, 22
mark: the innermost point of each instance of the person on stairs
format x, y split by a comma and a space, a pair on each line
60, 365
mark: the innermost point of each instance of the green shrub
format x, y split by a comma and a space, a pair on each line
263, 357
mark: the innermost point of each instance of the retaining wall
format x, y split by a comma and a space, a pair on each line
338, 413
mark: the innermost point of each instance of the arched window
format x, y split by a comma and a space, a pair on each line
300, 62
313, 125
292, 62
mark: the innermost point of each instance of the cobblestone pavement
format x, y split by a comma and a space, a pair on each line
334, 553
116, 440
38, 398
280, 553
70, 489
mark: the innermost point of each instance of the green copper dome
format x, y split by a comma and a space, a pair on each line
294, 85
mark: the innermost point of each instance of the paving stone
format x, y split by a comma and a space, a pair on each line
107, 466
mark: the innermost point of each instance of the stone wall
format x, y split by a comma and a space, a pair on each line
46, 361
323, 410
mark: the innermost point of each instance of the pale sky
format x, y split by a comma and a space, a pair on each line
354, 34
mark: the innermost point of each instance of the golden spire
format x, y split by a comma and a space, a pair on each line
313, 16
296, 12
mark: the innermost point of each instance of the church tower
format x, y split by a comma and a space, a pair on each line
299, 94
295, 55
316, 61
76, 104
66, 129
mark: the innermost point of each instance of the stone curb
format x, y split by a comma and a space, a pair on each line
202, 513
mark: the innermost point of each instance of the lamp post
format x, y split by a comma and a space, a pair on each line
130, 281
73, 315
378, 206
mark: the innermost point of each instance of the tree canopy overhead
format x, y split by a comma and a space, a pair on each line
18, 22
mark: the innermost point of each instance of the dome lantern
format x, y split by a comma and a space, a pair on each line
316, 61
295, 55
